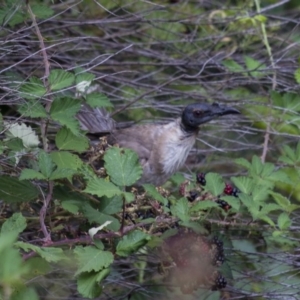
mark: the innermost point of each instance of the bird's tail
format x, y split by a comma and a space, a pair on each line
95, 120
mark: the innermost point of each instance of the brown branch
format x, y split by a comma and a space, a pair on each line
43, 212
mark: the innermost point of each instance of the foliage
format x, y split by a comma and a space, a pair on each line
68, 203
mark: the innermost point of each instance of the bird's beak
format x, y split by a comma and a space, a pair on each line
222, 110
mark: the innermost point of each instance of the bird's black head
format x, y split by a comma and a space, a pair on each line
199, 113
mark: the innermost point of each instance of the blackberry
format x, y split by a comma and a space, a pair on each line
223, 204
218, 242
201, 178
220, 283
192, 196
235, 192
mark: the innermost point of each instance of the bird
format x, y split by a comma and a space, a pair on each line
162, 149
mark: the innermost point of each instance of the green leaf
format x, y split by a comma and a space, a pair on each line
181, 209
29, 174
95, 216
281, 200
62, 173
101, 187
89, 77
129, 197
46, 164
111, 205
88, 284
32, 109
214, 183
92, 259
60, 79
33, 89
50, 254
16, 223
243, 162
14, 190
63, 110
257, 165
232, 65
152, 192
42, 11
66, 160
297, 75
24, 132
122, 165
244, 184
24, 293
260, 193
98, 100
66, 140
15, 144
255, 67
203, 205
131, 242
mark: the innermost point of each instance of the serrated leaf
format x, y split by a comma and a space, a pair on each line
267, 220
14, 190
32, 109
214, 183
66, 160
281, 176
131, 242
267, 208
243, 162
111, 205
88, 283
84, 77
297, 75
30, 174
60, 79
25, 133
260, 193
33, 89
92, 259
16, 223
181, 209
95, 216
63, 111
257, 165
244, 184
281, 200
152, 191
66, 140
98, 100
122, 165
50, 254
42, 11
62, 173
100, 187
129, 197
46, 164
203, 205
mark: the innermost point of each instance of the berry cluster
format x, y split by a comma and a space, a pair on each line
223, 204
230, 190
220, 282
219, 256
192, 196
201, 178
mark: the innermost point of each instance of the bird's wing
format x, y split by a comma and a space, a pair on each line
95, 120
140, 139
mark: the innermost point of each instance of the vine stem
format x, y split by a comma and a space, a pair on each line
274, 84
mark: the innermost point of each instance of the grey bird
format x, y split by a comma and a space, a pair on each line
162, 149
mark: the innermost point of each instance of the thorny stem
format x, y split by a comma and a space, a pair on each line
269, 50
43, 213
44, 123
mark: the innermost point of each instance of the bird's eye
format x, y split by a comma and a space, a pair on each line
197, 113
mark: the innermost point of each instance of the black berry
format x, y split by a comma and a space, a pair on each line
220, 283
201, 178
192, 196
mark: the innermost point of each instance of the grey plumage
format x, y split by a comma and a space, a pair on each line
162, 149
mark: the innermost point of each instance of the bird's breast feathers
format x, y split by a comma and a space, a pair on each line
174, 146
